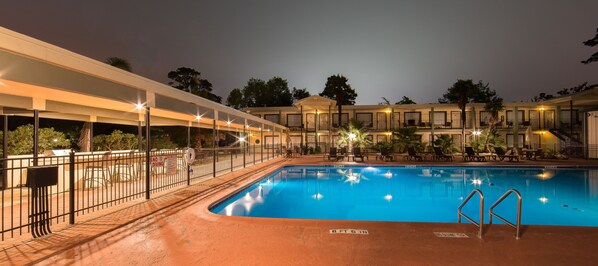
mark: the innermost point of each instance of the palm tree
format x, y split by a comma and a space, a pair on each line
494, 106
119, 63
354, 133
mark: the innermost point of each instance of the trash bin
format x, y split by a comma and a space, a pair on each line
39, 178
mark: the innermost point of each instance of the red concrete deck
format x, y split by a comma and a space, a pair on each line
178, 229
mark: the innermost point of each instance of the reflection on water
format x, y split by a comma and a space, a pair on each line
551, 196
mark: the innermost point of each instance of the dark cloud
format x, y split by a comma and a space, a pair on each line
385, 48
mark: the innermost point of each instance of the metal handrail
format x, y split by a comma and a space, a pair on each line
517, 225
479, 224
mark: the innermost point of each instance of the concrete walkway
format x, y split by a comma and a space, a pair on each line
178, 229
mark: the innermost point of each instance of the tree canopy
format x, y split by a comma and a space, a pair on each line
119, 63
465, 91
299, 94
405, 100
338, 89
260, 93
189, 80
564, 91
591, 43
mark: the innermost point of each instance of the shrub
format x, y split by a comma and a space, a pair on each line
20, 140
117, 140
162, 142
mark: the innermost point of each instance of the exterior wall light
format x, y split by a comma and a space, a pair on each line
198, 117
139, 106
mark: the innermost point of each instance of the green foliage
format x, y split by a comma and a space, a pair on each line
117, 140
465, 91
486, 141
383, 145
564, 91
406, 137
20, 140
189, 80
494, 106
299, 94
260, 93
591, 43
356, 128
445, 142
338, 89
318, 150
163, 141
119, 63
405, 100
235, 99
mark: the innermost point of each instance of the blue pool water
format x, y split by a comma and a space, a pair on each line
418, 194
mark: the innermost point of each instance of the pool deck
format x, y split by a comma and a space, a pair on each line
177, 228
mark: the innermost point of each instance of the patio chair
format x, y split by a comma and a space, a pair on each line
357, 154
471, 155
386, 154
332, 154
439, 155
129, 164
341, 155
502, 155
412, 155
91, 167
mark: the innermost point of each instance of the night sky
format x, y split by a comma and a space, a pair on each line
384, 48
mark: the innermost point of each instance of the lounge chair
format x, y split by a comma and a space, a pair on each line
332, 154
342, 154
471, 155
386, 154
357, 154
439, 155
412, 155
502, 155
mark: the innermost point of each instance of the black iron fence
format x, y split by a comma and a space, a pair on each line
89, 182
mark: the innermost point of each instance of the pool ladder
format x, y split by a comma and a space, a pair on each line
480, 224
517, 224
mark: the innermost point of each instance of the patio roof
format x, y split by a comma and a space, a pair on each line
65, 85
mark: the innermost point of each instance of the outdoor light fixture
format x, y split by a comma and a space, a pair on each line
477, 132
198, 117
388, 174
241, 139
229, 122
352, 135
246, 126
387, 111
476, 181
541, 108
138, 106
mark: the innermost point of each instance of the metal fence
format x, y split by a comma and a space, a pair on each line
89, 182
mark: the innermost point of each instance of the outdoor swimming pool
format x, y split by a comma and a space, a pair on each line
563, 196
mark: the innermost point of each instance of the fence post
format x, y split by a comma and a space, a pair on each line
72, 187
189, 169
148, 148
